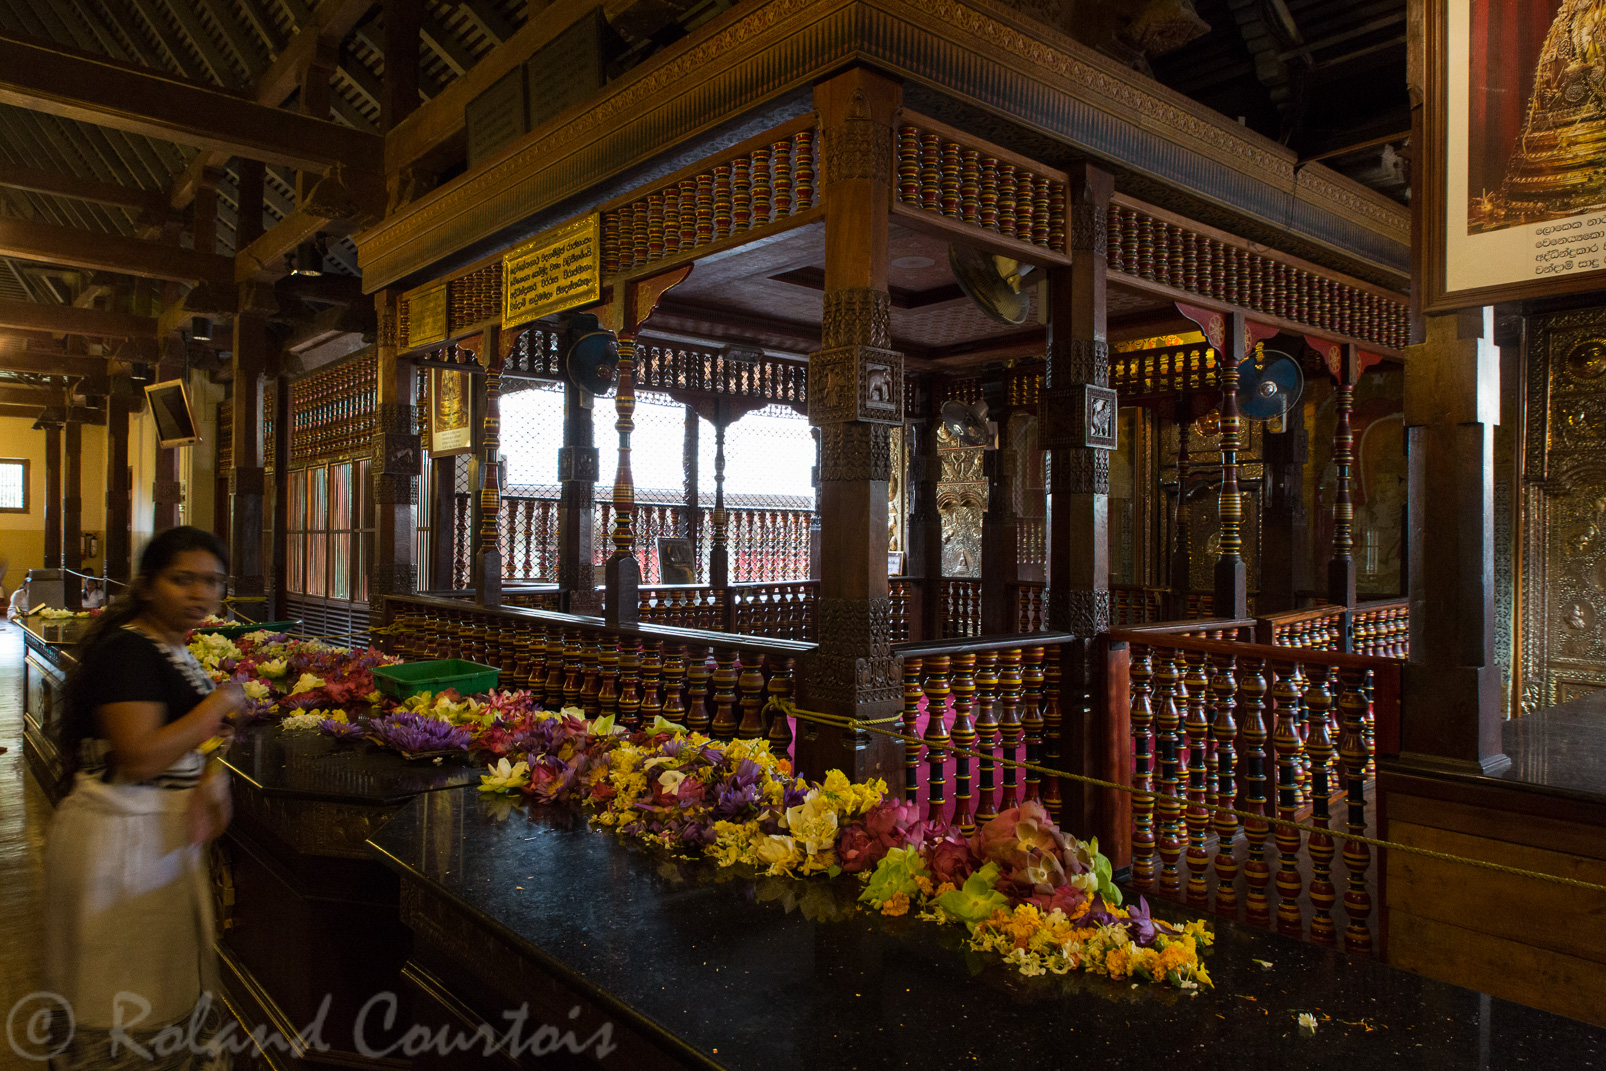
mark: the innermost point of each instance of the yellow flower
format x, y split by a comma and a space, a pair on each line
778, 853
898, 905
813, 822
274, 669
307, 683
505, 777
255, 690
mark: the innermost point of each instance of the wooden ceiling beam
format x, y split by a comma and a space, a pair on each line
80, 415
93, 89
52, 364
69, 320
37, 180
27, 240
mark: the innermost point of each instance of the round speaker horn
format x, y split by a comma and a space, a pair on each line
592, 362
993, 283
1269, 385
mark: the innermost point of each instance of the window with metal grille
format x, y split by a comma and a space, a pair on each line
329, 530
13, 485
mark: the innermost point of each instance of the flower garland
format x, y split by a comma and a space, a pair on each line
1024, 889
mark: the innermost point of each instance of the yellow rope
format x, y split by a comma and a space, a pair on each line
787, 707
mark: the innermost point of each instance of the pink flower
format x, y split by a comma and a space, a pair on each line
952, 860
895, 824
858, 849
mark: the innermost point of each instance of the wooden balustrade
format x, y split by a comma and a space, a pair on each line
710, 682
960, 599
785, 611
681, 605
1274, 731
1381, 629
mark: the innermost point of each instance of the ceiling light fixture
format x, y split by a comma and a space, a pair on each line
309, 259
201, 329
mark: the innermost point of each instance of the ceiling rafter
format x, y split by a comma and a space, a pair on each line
189, 24
178, 59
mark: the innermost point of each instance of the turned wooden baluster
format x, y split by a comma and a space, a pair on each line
751, 685
629, 704
936, 736
1285, 739
963, 735
607, 676
725, 674
1168, 689
1032, 716
779, 730
913, 693
1319, 742
1224, 731
652, 697
1142, 719
672, 706
591, 672
987, 733
1357, 856
574, 665
697, 719
1197, 728
1256, 873
539, 644
1010, 732
519, 678
1053, 695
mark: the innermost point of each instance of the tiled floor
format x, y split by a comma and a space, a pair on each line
24, 815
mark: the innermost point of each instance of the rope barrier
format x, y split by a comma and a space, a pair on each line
787, 708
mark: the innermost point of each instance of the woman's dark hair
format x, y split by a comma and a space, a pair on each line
78, 723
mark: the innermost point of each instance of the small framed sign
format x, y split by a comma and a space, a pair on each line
451, 407
170, 406
676, 565
894, 563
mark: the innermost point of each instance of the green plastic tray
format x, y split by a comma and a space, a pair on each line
234, 632
410, 678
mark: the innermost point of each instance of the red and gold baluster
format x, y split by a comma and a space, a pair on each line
655, 226
1025, 204
782, 153
590, 672
1010, 729
725, 677
697, 719
1319, 742
1285, 739
1142, 719
1053, 693
703, 205
1357, 856
1224, 731
930, 172
963, 735
1040, 202
1114, 232
989, 192
1257, 875
778, 730
1056, 217
913, 693
970, 186
750, 684
1032, 716
722, 201
673, 224
608, 676
763, 184
741, 194
1196, 726
665, 663
630, 691
936, 736
803, 169
949, 200
1006, 199
638, 233
1168, 690
987, 734
909, 166
574, 668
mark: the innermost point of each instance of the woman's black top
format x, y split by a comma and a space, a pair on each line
127, 666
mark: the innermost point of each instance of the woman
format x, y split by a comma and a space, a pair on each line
128, 938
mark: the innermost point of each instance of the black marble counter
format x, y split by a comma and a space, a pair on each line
1562, 749
755, 974
311, 766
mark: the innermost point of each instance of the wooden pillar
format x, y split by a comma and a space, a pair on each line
396, 461
1450, 709
248, 221
444, 490
622, 574
1078, 419
399, 92
247, 476
855, 396
1180, 566
691, 517
1285, 547
119, 508
279, 548
1341, 570
1232, 583
923, 540
577, 473
203, 211
53, 496
1000, 565
72, 510
487, 566
719, 569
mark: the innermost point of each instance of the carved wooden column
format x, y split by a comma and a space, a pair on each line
397, 451
1000, 566
487, 568
53, 495
1451, 701
623, 572
72, 508
1232, 586
1341, 570
577, 473
923, 537
1078, 421
855, 396
719, 569
691, 516
247, 476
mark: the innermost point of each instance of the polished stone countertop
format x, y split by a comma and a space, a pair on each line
1562, 749
754, 973
308, 765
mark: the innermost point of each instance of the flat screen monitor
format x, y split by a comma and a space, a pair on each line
170, 405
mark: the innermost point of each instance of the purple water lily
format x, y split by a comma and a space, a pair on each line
342, 730
416, 733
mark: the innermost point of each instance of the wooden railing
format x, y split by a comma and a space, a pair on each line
710, 682
1274, 731
960, 600
1381, 629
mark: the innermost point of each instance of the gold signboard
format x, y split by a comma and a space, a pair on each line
426, 317
560, 269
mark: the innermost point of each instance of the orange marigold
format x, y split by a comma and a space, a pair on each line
898, 905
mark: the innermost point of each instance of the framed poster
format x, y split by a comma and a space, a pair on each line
1513, 198
451, 407
676, 565
170, 405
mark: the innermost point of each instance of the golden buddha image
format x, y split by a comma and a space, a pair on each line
1555, 166
451, 409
